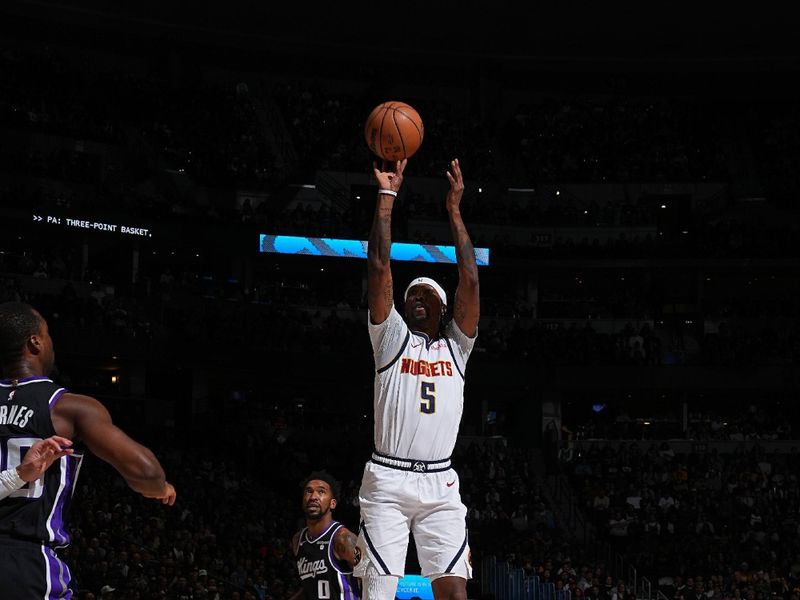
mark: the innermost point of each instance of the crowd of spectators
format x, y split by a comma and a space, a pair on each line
701, 513
776, 147
739, 345
208, 130
551, 343
617, 139
731, 419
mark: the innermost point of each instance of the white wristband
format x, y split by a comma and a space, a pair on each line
387, 192
10, 481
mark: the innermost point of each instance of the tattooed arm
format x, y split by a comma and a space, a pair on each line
344, 546
380, 295
467, 307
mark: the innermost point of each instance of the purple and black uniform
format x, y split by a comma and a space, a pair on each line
322, 575
32, 519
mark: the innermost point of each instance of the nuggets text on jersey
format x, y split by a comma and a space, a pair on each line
437, 368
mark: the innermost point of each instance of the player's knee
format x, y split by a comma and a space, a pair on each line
449, 587
376, 586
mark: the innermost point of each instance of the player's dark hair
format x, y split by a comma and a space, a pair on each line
18, 322
444, 319
327, 478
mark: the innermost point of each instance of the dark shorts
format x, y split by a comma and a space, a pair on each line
29, 571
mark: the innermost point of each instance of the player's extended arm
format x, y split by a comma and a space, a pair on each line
467, 307
380, 294
344, 546
84, 418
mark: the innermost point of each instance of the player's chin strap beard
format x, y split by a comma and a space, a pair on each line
317, 516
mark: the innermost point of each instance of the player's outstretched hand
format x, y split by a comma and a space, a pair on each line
166, 494
41, 455
456, 190
169, 494
390, 175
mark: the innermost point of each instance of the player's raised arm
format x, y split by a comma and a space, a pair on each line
380, 294
467, 306
84, 418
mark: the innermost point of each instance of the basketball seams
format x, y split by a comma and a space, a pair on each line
380, 130
411, 119
390, 106
399, 133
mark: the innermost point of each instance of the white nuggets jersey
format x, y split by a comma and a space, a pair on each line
419, 389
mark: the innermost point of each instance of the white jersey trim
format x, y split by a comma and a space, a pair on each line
56, 397
316, 539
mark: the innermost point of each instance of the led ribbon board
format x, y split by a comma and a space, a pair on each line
414, 586
81, 223
289, 244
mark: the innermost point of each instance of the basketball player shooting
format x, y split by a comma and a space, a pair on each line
409, 484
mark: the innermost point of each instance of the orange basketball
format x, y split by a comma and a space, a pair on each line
394, 131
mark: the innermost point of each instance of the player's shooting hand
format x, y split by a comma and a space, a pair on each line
41, 455
390, 175
453, 201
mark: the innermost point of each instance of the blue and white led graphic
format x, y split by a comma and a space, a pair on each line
414, 586
289, 244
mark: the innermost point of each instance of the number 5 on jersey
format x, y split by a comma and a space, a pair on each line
427, 392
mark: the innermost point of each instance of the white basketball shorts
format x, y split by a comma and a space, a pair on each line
394, 502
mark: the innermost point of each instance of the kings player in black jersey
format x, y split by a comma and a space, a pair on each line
32, 408
325, 550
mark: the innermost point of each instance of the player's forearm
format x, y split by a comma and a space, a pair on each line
10, 481
379, 273
149, 488
380, 236
145, 474
465, 252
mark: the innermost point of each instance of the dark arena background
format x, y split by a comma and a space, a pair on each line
630, 427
